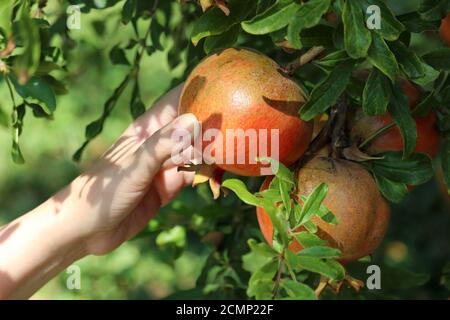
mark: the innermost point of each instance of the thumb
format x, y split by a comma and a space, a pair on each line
143, 165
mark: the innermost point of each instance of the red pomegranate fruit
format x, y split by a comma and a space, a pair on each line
241, 91
353, 197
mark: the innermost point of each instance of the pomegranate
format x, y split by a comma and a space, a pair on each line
444, 30
362, 126
353, 197
240, 89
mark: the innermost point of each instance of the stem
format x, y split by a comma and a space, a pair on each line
308, 56
278, 276
374, 135
11, 93
10, 46
322, 285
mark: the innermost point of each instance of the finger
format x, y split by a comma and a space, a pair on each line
169, 182
159, 115
141, 167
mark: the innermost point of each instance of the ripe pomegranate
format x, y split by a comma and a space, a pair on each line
444, 30
353, 197
362, 126
243, 89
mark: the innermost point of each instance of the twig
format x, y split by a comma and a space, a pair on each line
339, 138
10, 46
322, 285
308, 56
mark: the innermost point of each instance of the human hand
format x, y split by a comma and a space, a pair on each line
105, 206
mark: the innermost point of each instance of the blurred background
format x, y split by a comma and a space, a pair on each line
159, 264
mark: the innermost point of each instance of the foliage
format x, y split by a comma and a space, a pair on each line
36, 64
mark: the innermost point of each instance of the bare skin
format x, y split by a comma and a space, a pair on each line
103, 207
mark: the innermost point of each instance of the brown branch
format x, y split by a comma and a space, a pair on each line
335, 125
10, 46
305, 58
339, 138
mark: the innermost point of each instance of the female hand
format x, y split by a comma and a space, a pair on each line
105, 206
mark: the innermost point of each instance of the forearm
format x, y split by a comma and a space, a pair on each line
36, 247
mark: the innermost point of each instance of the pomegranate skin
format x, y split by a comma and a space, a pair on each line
444, 30
243, 89
428, 138
353, 197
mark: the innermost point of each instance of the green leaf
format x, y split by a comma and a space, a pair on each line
275, 18
310, 226
320, 35
393, 191
260, 254
391, 27
409, 62
414, 170
214, 22
26, 64
399, 110
260, 283
240, 189
281, 172
414, 23
117, 56
128, 11
175, 236
313, 202
37, 88
285, 192
17, 125
445, 161
424, 107
272, 195
96, 127
430, 76
6, 10
16, 153
39, 111
222, 41
137, 107
382, 57
308, 15
298, 290
328, 91
156, 30
327, 268
331, 60
355, 89
4, 118
431, 10
376, 94
439, 59
357, 37
58, 87
321, 252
